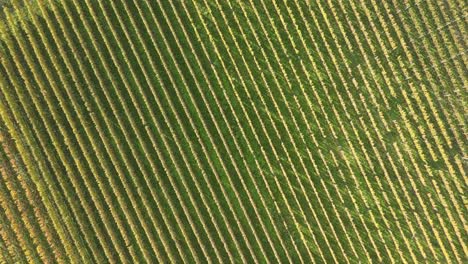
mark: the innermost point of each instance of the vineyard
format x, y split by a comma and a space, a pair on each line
233, 131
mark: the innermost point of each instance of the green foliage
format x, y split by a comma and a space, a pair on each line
255, 131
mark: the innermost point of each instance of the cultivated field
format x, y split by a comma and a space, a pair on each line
233, 131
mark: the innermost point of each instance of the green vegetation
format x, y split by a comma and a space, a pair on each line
237, 131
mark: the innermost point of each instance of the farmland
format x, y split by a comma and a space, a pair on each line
236, 131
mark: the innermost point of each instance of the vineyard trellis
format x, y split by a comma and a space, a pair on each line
255, 131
